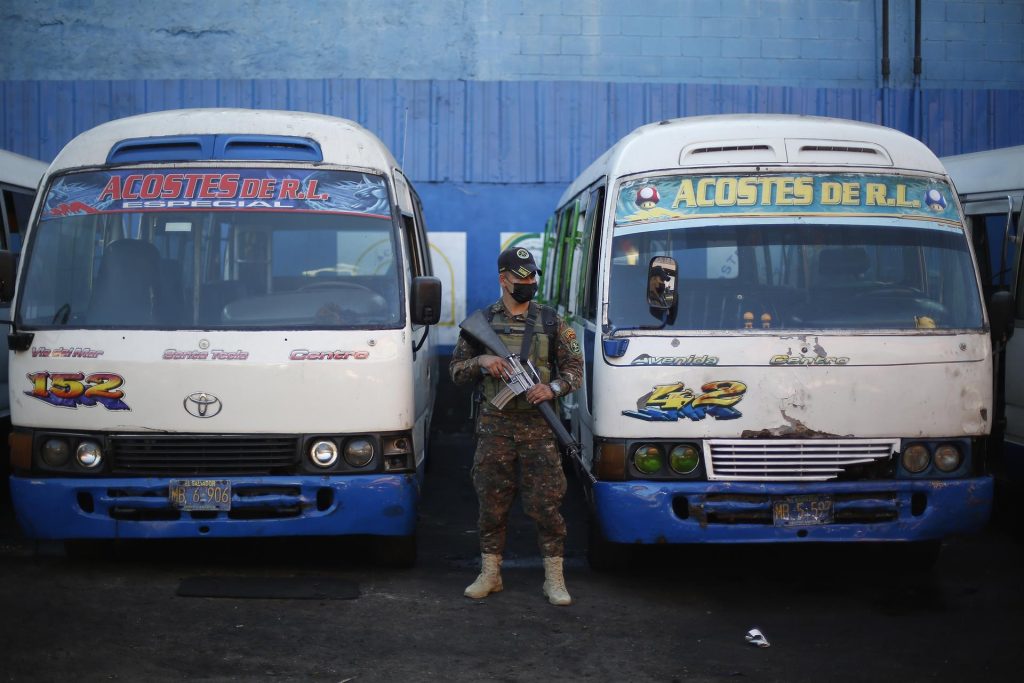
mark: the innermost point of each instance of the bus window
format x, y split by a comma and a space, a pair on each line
866, 277
591, 252
573, 251
17, 207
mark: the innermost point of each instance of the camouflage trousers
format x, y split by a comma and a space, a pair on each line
517, 453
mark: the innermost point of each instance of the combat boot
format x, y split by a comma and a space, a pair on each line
554, 582
489, 580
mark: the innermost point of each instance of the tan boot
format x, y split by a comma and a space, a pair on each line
554, 582
489, 580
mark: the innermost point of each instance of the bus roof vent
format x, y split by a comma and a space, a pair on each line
214, 147
838, 148
731, 152
729, 148
172, 148
839, 152
267, 147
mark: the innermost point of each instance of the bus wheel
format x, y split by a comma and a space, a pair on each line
604, 555
398, 552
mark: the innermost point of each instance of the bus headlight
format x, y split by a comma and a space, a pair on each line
683, 459
358, 452
323, 453
89, 455
916, 458
948, 457
56, 452
398, 455
647, 459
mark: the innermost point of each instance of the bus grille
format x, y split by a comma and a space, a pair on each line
791, 459
176, 455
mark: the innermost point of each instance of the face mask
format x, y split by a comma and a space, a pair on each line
523, 292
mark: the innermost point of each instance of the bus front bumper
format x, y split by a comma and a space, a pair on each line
137, 508
735, 512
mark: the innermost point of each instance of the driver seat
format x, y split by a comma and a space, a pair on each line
126, 286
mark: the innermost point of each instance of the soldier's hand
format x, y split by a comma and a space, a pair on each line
539, 393
496, 366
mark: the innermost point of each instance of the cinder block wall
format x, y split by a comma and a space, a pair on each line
975, 44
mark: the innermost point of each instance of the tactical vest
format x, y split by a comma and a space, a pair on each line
545, 330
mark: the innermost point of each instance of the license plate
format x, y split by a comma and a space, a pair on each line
802, 510
200, 494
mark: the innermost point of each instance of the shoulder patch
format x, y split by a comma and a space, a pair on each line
568, 334
574, 346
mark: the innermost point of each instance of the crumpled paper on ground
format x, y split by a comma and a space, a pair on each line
755, 637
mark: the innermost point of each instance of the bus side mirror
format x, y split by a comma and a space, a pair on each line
8, 271
661, 283
1000, 315
426, 300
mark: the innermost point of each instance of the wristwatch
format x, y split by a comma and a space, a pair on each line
556, 387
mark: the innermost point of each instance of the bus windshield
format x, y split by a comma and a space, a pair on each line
798, 274
160, 249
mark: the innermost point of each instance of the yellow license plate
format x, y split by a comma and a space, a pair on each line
200, 494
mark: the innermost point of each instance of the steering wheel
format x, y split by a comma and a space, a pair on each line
334, 284
889, 291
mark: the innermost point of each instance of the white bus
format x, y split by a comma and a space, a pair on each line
991, 189
784, 334
19, 178
221, 329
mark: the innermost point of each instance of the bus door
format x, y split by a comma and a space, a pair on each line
996, 226
417, 253
15, 206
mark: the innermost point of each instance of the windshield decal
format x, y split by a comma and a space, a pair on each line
832, 194
669, 402
210, 189
73, 389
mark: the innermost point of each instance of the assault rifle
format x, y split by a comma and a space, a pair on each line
519, 380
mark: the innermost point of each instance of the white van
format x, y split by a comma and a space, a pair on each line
991, 189
19, 178
221, 329
784, 334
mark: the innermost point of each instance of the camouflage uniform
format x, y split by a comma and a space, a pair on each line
519, 434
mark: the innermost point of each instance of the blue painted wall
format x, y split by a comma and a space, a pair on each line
495, 105
830, 43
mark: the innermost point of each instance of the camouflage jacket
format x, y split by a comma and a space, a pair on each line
568, 357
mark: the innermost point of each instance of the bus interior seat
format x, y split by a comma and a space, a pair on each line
127, 285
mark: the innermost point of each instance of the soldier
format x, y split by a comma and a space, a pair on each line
516, 448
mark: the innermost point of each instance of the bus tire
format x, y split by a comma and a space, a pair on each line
397, 552
604, 555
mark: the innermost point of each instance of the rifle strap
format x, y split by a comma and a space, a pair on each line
531, 321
